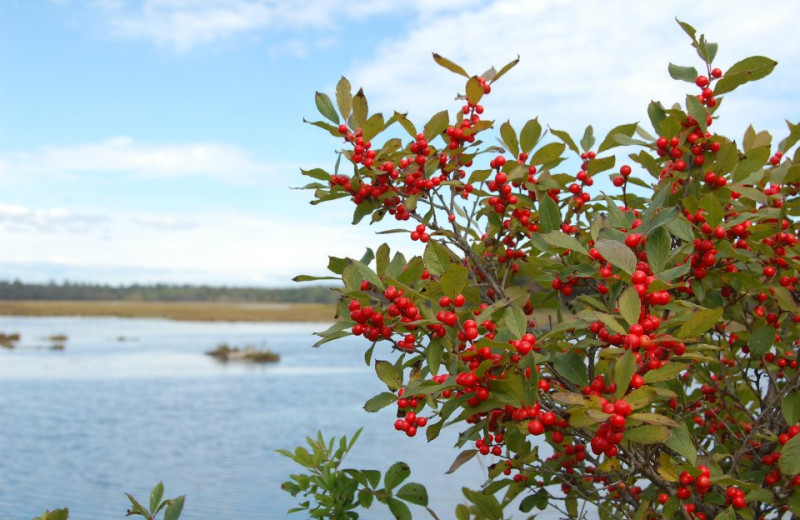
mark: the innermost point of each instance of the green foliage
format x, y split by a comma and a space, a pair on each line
172, 507
337, 494
667, 385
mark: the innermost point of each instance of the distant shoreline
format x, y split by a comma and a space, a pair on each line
180, 311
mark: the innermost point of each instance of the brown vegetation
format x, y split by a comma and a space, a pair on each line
224, 352
184, 311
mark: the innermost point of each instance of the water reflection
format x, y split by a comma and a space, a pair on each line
80, 426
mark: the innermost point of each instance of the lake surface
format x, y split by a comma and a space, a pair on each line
130, 402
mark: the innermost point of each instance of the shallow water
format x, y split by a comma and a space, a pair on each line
79, 427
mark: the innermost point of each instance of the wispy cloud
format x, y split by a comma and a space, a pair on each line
165, 222
21, 219
123, 155
209, 247
182, 25
599, 60
185, 24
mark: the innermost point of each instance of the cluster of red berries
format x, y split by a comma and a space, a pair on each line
408, 421
622, 179
706, 96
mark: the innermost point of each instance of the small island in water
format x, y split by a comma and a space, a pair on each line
225, 352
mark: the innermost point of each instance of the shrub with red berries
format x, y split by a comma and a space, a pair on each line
630, 342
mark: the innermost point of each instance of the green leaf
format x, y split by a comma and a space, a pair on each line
749, 69
681, 442
396, 474
714, 211
407, 125
389, 374
549, 216
790, 407
360, 109
727, 514
344, 97
436, 125
436, 258
657, 248
433, 355
647, 434
656, 114
571, 503
789, 463
309, 278
380, 401
156, 495
137, 507
560, 239
698, 111
623, 371
785, 300
761, 340
317, 173
630, 305
699, 322
508, 66
373, 126
618, 254
666, 372
515, 320
688, 29
414, 493
326, 108
474, 90
509, 137
547, 153
566, 139
643, 511
791, 139
454, 279
399, 510
368, 274
600, 165
641, 397
449, 65
571, 367
587, 141
530, 135
461, 459
654, 418
610, 142
55, 514
682, 73
175, 508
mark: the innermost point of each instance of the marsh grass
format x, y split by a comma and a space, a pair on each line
183, 311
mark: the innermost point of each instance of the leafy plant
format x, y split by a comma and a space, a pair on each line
172, 507
628, 354
337, 493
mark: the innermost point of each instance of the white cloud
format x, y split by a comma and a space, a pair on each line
20, 219
597, 61
186, 24
165, 222
216, 247
124, 155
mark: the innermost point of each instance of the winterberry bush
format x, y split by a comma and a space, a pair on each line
667, 385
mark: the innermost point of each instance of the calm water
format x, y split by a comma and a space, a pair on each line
80, 426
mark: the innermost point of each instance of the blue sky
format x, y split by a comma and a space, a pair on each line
157, 140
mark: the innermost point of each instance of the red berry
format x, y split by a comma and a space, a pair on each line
535, 427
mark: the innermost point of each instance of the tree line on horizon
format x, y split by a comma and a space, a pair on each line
18, 290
